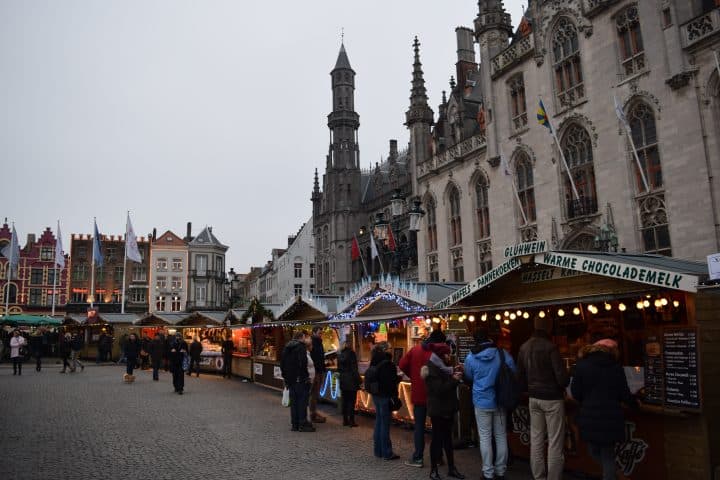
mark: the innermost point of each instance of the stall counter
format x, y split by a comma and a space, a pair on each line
266, 372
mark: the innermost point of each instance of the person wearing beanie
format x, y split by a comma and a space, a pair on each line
441, 383
411, 363
600, 387
544, 374
481, 368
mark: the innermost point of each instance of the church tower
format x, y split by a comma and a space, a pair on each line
418, 118
336, 208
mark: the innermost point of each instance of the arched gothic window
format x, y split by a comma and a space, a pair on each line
482, 208
431, 225
455, 222
566, 63
10, 293
526, 186
577, 147
644, 134
632, 51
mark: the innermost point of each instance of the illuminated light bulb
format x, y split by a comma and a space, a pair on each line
639, 305
622, 307
498, 317
461, 319
471, 318
663, 301
657, 303
676, 303
526, 315
436, 320
518, 313
648, 296
507, 322
507, 314
576, 311
608, 306
646, 303
513, 316
541, 314
561, 313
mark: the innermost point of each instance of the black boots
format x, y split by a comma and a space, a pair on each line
453, 473
434, 474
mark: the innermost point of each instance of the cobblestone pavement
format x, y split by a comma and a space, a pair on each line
90, 425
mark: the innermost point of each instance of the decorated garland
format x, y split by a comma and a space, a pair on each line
364, 302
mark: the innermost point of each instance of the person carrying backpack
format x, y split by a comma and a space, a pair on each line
482, 366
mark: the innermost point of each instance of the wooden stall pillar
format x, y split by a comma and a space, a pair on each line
707, 304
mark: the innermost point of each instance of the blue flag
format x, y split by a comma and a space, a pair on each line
97, 253
542, 117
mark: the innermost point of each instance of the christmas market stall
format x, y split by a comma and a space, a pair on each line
661, 315
241, 332
267, 339
208, 327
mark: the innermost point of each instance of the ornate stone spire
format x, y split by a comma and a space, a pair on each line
419, 110
316, 184
492, 16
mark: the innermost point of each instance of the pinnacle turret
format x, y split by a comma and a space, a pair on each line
419, 110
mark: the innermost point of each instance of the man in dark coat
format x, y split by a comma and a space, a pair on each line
157, 351
388, 380
600, 386
349, 378
196, 349
227, 349
293, 365
318, 357
178, 350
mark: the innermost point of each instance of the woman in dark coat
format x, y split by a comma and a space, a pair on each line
442, 404
388, 381
600, 386
349, 383
132, 350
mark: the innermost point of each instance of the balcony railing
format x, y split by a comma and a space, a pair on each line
700, 28
203, 273
512, 54
453, 153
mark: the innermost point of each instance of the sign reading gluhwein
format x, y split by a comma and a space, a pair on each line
622, 271
478, 283
528, 248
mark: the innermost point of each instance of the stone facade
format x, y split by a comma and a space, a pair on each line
207, 278
576, 55
169, 259
295, 269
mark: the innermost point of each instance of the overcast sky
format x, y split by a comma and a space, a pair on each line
213, 112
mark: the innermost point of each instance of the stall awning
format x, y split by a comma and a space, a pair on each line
161, 319
118, 318
29, 320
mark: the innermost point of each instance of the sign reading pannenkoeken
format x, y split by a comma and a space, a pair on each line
479, 283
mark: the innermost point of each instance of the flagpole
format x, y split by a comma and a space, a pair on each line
567, 169
514, 187
717, 63
361, 258
8, 272
637, 158
92, 267
122, 306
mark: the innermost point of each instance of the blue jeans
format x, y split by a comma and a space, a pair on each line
299, 395
491, 423
382, 446
420, 414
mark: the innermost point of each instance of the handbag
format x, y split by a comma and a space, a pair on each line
395, 404
285, 397
186, 362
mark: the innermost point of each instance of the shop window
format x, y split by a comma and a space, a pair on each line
644, 134
431, 225
455, 221
35, 296
482, 208
518, 107
526, 186
569, 87
78, 297
577, 147
47, 254
36, 276
655, 230
632, 52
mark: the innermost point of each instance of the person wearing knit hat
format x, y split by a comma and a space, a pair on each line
543, 372
600, 387
411, 363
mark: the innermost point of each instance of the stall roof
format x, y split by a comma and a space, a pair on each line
214, 316
235, 315
301, 307
161, 318
31, 320
75, 318
119, 318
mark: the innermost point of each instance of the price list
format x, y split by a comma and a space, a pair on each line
654, 372
464, 344
680, 354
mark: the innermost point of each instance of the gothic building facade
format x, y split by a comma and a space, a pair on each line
641, 177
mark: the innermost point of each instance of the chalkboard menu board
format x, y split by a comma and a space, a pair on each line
464, 344
680, 355
654, 371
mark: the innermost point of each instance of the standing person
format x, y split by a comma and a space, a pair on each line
157, 350
76, 345
17, 344
385, 374
294, 367
131, 351
481, 368
102, 339
543, 372
65, 351
349, 383
227, 349
145, 352
166, 352
318, 359
411, 363
178, 350
441, 382
196, 349
36, 347
600, 386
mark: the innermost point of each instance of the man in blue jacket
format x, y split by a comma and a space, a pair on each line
481, 368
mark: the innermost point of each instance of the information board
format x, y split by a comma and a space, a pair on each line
682, 379
464, 344
654, 371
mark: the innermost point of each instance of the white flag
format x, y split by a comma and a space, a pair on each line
621, 113
131, 246
12, 253
59, 254
373, 247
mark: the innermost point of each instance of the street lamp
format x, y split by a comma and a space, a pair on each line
381, 227
607, 239
416, 213
397, 202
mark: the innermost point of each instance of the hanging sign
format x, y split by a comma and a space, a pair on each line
478, 283
527, 248
621, 271
545, 274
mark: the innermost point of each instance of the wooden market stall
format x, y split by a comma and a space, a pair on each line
667, 330
241, 332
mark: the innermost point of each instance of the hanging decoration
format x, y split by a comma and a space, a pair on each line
365, 302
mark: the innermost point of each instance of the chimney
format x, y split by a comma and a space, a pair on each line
154, 235
393, 150
30, 239
188, 237
465, 55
